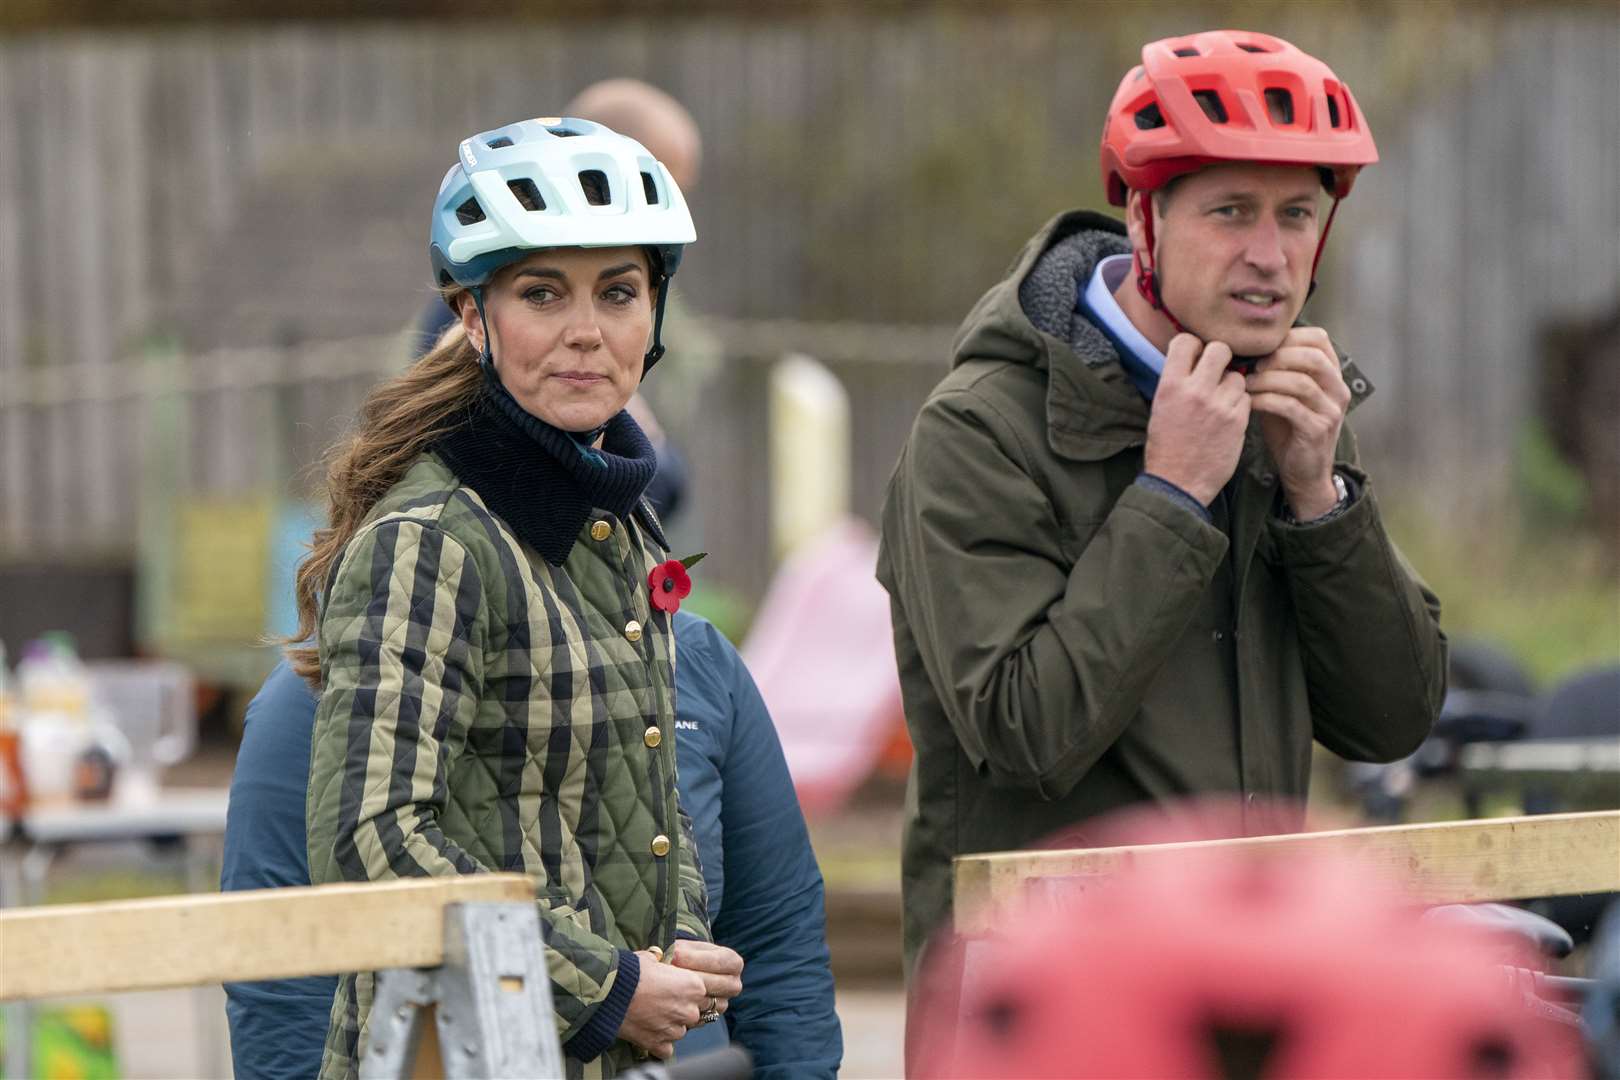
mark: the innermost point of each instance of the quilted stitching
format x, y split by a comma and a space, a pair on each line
560, 710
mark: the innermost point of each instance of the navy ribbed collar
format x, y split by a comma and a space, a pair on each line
541, 481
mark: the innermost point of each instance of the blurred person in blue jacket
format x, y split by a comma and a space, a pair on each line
765, 889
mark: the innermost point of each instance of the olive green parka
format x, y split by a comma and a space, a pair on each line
1071, 643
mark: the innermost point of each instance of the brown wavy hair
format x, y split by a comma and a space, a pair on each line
400, 418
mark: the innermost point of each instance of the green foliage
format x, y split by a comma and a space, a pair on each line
1553, 492
725, 608
1544, 596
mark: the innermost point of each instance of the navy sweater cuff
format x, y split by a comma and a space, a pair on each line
603, 1026
1176, 494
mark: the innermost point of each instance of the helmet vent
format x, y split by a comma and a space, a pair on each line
1001, 1017
1333, 110
594, 183
1244, 1052
1187, 51
564, 132
1251, 47
1492, 1056
1210, 102
1149, 117
649, 188
1280, 104
497, 144
526, 193
469, 212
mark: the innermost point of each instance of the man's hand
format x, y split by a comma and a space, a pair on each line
1302, 398
667, 1002
721, 969
1200, 412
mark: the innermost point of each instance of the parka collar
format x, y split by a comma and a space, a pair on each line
1093, 411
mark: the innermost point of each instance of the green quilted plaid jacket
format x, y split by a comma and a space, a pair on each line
483, 710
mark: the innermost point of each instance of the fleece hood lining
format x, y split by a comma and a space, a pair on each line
1047, 293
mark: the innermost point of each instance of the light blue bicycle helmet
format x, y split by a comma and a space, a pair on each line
555, 182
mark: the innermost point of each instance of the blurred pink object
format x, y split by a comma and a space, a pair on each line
1210, 962
822, 652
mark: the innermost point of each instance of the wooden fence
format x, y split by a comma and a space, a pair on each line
258, 189
1450, 862
180, 941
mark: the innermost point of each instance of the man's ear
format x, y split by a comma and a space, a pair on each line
1136, 205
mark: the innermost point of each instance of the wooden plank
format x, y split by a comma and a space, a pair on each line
175, 941
1448, 862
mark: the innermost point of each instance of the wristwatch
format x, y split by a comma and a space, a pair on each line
1341, 486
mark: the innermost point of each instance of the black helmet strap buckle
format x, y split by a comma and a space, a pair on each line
486, 359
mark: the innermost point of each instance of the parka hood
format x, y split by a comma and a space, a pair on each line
1092, 409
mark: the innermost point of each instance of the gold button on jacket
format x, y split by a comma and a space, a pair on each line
601, 530
660, 845
632, 630
652, 736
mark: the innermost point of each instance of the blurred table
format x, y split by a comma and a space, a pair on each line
1547, 774
1543, 757
184, 823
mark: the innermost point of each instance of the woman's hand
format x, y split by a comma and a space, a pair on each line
720, 967
667, 1002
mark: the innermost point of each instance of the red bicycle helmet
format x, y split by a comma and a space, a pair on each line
1236, 968
1229, 95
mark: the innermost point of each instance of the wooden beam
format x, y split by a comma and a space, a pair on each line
174, 941
1448, 862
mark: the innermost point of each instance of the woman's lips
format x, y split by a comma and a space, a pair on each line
580, 378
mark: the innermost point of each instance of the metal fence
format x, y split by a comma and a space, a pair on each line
254, 423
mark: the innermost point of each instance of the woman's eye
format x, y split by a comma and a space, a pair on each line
540, 294
619, 294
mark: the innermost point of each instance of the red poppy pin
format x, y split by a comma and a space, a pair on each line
671, 583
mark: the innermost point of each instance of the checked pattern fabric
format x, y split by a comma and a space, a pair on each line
485, 711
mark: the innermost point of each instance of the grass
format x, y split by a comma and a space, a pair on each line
1551, 599
84, 886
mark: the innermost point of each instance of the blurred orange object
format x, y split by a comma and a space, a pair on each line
13, 784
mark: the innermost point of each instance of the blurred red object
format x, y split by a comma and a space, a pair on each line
1228, 965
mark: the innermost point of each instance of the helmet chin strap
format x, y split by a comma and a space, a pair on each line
1147, 275
656, 353
486, 359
